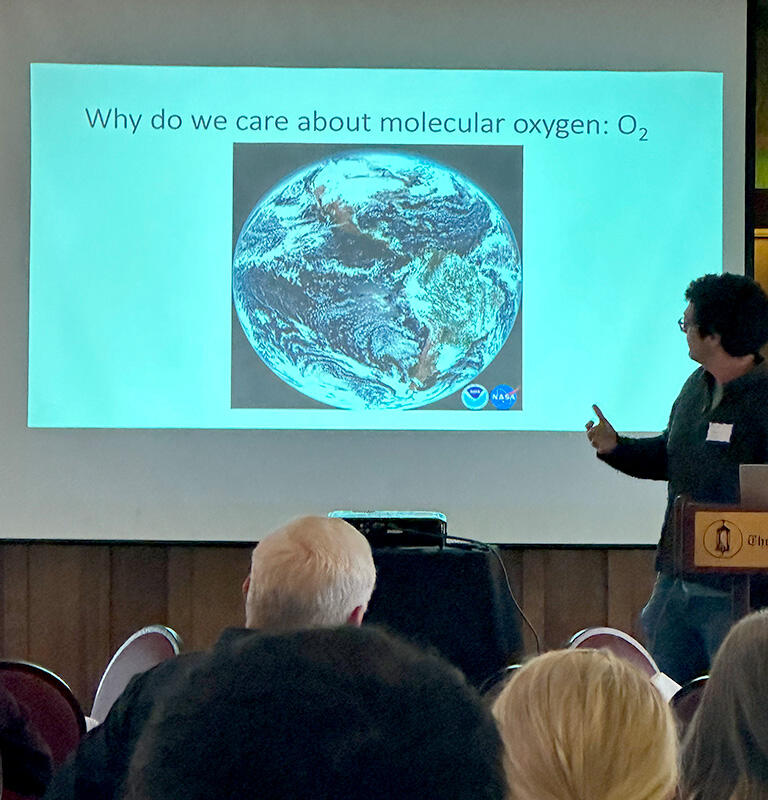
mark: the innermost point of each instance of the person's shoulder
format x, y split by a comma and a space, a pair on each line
233, 642
698, 376
160, 672
759, 373
145, 687
696, 382
231, 637
758, 392
753, 386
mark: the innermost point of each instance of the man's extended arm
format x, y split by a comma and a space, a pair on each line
640, 458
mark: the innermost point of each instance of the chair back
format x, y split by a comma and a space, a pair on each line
686, 700
619, 643
141, 651
491, 687
48, 704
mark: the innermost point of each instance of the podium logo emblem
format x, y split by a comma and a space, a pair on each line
723, 539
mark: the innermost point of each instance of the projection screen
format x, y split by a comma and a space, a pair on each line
290, 259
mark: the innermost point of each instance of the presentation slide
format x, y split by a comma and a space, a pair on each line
268, 259
370, 249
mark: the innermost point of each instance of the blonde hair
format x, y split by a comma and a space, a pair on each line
314, 571
582, 724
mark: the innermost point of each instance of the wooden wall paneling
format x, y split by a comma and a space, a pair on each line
218, 598
575, 582
180, 575
69, 588
139, 593
532, 596
68, 607
630, 580
14, 601
205, 592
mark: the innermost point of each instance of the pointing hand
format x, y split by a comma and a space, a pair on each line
601, 436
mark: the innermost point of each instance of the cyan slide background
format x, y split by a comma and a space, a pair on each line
130, 254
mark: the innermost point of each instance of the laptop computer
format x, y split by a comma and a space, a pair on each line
753, 481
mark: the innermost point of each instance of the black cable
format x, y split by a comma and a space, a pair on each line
494, 550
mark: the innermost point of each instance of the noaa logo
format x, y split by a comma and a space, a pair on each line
503, 396
474, 396
723, 539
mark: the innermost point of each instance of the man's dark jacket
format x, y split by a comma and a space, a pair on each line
686, 455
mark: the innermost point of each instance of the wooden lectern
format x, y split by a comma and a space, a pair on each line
721, 540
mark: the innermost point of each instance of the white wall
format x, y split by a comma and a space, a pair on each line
514, 487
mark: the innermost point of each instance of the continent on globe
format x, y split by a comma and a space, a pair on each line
376, 280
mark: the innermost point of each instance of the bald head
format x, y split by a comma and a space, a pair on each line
312, 572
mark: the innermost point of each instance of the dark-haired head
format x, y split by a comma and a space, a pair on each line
725, 753
732, 306
329, 713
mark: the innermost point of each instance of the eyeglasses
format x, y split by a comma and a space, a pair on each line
684, 324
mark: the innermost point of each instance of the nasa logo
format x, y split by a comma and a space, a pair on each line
474, 396
503, 396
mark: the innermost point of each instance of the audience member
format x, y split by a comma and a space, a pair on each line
313, 571
316, 571
584, 724
725, 752
25, 759
323, 714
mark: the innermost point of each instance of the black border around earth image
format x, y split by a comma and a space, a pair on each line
497, 172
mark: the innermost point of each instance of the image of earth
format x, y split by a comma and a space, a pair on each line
376, 280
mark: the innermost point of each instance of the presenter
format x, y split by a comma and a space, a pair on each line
719, 421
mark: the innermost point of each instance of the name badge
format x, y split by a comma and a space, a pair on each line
719, 432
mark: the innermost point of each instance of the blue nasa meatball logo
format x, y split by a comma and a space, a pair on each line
503, 396
474, 396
